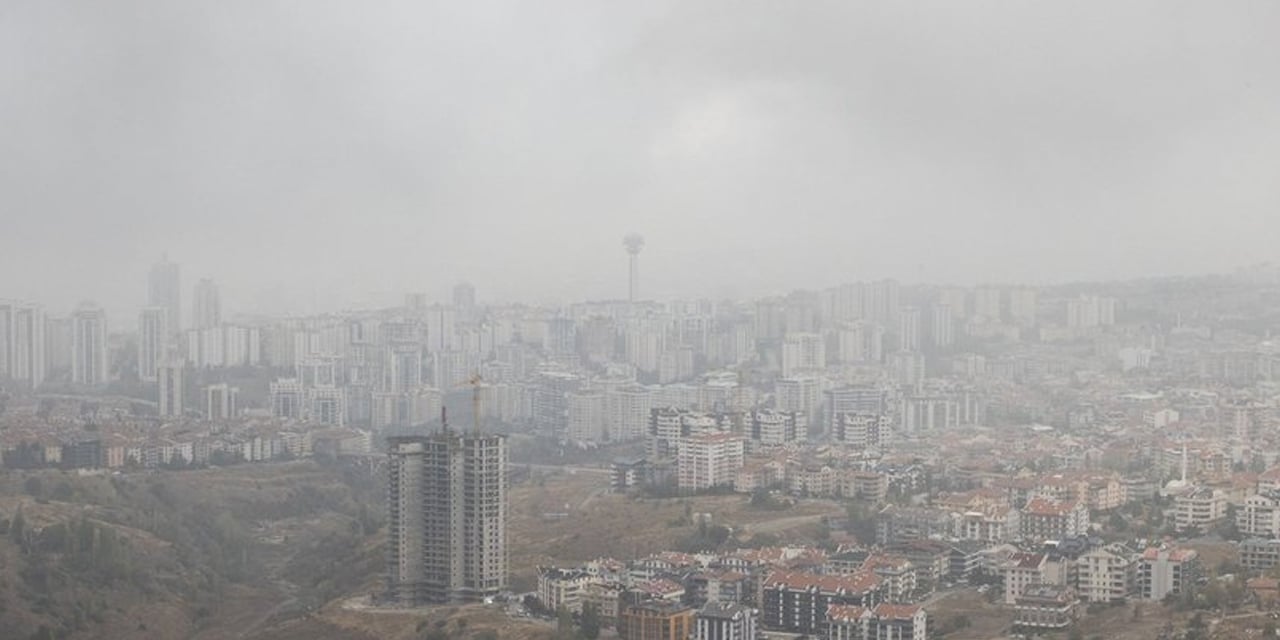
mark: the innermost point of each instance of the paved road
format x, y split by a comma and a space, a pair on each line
571, 469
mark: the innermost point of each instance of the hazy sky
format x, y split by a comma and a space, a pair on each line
341, 153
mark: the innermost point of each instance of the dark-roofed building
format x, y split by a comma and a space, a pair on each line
798, 602
1045, 607
727, 621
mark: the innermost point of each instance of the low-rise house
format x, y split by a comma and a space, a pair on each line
1045, 607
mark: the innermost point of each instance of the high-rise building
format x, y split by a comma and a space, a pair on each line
587, 416
164, 290
803, 353
89, 345
1090, 311
909, 329
170, 377
153, 341
287, 398
464, 297
57, 345
221, 401
986, 304
22, 343
709, 460
1022, 306
206, 306
799, 395
447, 517
941, 326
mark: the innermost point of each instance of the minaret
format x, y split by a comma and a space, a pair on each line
1184, 463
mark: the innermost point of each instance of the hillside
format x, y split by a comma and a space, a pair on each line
206, 554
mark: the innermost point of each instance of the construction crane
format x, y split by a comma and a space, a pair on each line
475, 380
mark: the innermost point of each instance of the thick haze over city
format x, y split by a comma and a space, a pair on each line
322, 155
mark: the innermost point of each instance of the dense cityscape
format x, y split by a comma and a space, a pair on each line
1057, 455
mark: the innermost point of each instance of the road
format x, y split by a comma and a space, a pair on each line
565, 468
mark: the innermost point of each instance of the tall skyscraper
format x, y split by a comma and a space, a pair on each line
941, 326
221, 401
164, 291
206, 305
464, 297
89, 345
22, 343
170, 377
986, 304
447, 517
153, 341
1022, 306
909, 329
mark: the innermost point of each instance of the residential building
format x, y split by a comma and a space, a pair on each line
803, 353
1199, 508
23, 350
164, 290
153, 341
587, 416
1167, 570
562, 588
1045, 607
798, 602
89, 345
727, 621
1258, 554
171, 389
897, 524
447, 517
1106, 575
1048, 519
656, 620
1259, 516
771, 428
221, 402
1021, 571
882, 622
206, 309
709, 460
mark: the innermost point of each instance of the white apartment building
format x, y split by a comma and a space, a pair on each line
709, 460
587, 416
1259, 516
1106, 574
1199, 508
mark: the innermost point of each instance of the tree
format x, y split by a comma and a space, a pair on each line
590, 621
564, 624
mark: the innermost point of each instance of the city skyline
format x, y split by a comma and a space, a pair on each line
756, 148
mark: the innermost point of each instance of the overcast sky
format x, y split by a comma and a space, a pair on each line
328, 154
